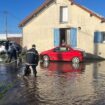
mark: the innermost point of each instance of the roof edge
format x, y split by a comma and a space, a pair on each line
47, 2
92, 13
29, 17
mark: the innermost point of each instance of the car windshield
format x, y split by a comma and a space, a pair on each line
61, 49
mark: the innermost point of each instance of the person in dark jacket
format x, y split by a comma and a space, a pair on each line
6, 48
32, 58
12, 52
7, 45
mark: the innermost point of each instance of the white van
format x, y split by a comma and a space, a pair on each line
2, 49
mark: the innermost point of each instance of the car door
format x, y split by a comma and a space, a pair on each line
61, 54
68, 54
56, 54
65, 53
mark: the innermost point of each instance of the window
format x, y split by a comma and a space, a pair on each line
61, 49
103, 37
99, 37
63, 14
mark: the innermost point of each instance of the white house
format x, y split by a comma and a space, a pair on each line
56, 21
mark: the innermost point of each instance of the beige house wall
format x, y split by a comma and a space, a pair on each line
40, 29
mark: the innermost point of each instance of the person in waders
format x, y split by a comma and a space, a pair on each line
32, 59
12, 53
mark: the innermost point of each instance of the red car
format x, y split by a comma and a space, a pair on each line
62, 53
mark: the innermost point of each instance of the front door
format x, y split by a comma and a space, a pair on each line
65, 36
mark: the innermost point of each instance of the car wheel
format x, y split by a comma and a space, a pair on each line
45, 58
75, 60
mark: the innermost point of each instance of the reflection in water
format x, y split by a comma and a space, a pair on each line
63, 67
1, 60
29, 92
99, 82
57, 83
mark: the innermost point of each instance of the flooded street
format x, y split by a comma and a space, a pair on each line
57, 83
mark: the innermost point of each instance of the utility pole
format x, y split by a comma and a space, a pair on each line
6, 29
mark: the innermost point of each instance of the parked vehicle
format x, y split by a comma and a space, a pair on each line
62, 53
2, 47
3, 50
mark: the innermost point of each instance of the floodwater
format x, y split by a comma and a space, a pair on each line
57, 83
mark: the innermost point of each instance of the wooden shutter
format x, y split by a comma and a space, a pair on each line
56, 37
73, 37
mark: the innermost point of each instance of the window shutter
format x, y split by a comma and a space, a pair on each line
56, 37
73, 37
97, 37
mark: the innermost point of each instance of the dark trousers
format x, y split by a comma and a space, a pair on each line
12, 55
28, 71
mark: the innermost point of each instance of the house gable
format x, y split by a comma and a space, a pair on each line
48, 2
33, 14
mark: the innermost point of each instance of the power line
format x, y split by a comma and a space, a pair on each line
7, 16
11, 14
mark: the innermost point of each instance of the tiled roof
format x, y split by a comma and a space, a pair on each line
47, 2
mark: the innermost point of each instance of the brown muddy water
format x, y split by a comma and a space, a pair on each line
57, 83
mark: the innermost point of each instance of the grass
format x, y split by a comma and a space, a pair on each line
5, 88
